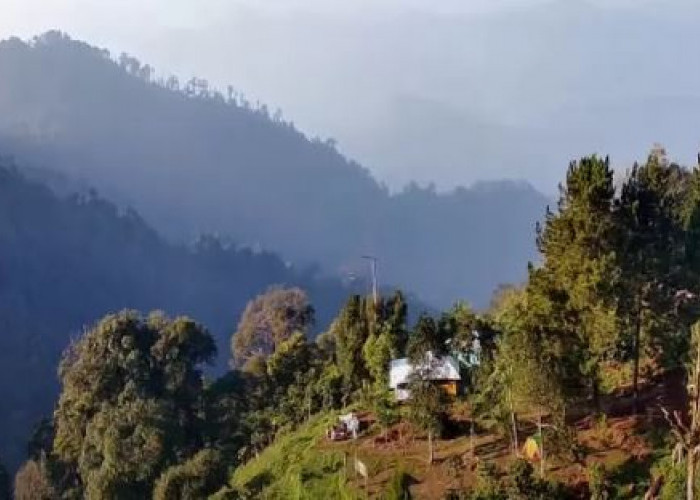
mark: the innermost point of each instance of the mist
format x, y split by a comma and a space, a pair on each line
449, 94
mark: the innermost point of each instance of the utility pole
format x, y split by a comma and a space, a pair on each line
373, 269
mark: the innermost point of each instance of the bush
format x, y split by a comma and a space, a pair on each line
488, 486
598, 483
521, 484
398, 487
200, 476
674, 479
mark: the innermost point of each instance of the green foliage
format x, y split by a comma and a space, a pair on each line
426, 406
41, 441
521, 484
674, 478
294, 467
653, 258
386, 410
351, 331
521, 380
198, 477
398, 487
572, 295
131, 401
488, 485
426, 410
427, 337
291, 359
598, 482
378, 351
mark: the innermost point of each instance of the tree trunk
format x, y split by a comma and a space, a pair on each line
514, 425
690, 483
636, 349
430, 447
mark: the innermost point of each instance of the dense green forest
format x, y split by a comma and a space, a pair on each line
607, 325
64, 262
192, 159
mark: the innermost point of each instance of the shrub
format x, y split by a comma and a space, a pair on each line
598, 482
398, 487
196, 478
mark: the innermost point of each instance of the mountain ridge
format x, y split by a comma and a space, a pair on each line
192, 160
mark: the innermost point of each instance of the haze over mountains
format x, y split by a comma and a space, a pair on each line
450, 92
192, 160
66, 262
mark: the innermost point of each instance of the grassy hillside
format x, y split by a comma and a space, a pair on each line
297, 466
629, 450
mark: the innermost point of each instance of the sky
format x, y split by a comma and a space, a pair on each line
449, 92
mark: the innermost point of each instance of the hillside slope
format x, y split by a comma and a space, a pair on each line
192, 160
304, 464
64, 263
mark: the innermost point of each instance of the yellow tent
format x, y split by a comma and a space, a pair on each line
532, 449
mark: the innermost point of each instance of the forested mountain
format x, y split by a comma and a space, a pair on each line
64, 262
192, 160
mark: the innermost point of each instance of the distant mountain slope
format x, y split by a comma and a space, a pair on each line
191, 160
64, 263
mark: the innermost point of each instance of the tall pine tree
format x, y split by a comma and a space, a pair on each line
652, 254
571, 296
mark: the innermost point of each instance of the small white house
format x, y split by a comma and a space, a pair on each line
444, 371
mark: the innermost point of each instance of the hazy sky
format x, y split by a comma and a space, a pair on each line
450, 91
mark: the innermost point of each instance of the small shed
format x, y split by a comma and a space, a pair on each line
442, 370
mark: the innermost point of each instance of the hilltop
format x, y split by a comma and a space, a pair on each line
192, 159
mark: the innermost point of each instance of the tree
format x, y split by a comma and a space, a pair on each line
426, 405
571, 297
292, 371
270, 319
351, 331
291, 358
428, 337
41, 440
426, 409
385, 410
378, 351
198, 477
32, 482
652, 254
227, 400
131, 401
521, 381
395, 312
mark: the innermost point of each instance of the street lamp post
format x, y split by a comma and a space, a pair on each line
373, 269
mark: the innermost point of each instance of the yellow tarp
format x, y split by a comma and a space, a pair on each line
531, 448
